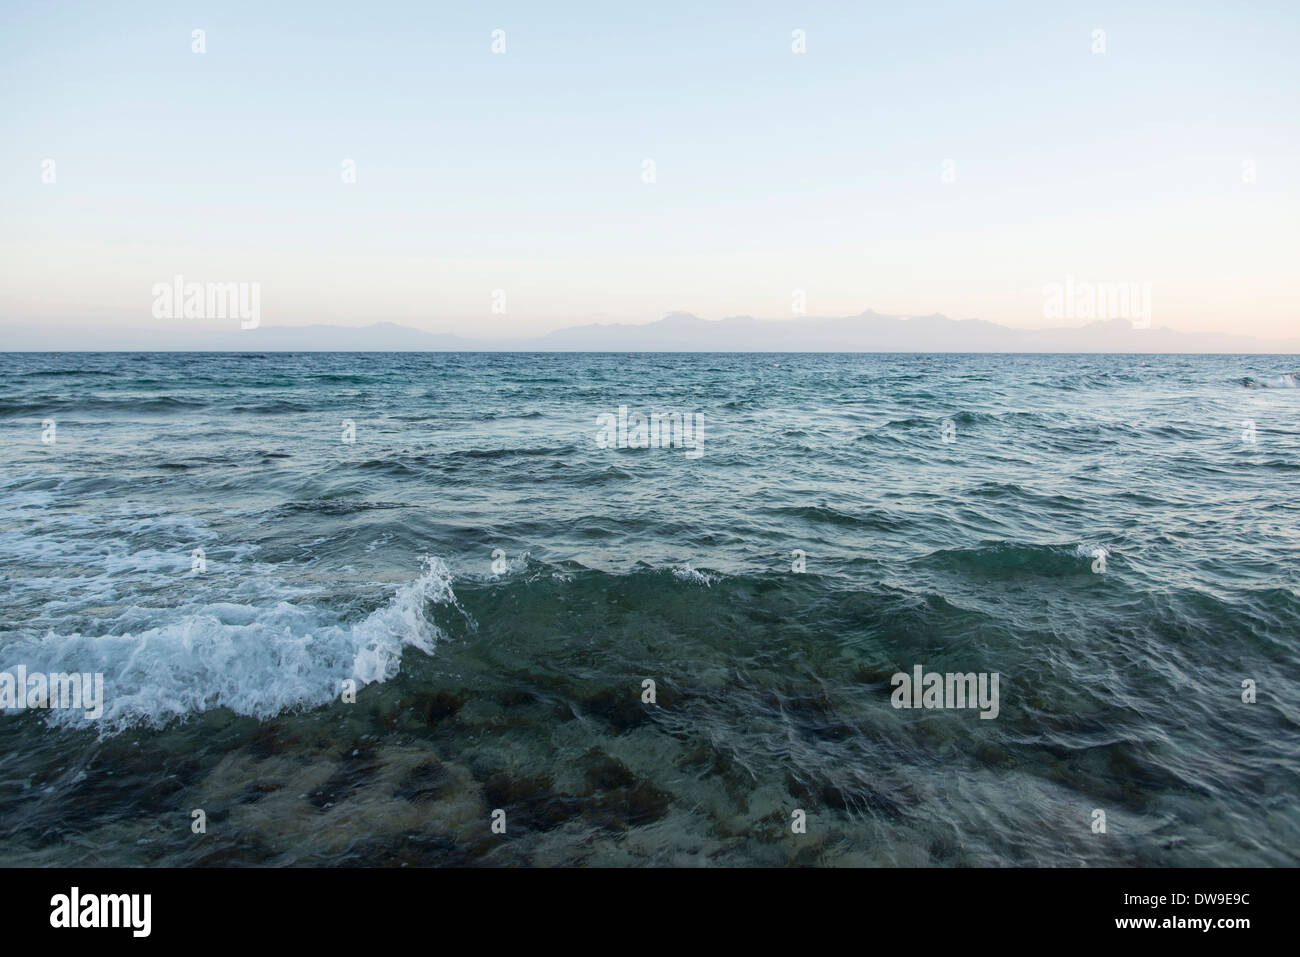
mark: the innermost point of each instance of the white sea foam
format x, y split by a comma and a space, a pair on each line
1090, 550
688, 574
256, 659
1274, 381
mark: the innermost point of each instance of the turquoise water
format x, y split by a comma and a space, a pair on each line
499, 586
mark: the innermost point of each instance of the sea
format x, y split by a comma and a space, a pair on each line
505, 609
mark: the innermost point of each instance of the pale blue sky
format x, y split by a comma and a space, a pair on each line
820, 172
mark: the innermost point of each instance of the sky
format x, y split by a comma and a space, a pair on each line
916, 158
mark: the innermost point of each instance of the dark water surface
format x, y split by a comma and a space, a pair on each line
518, 685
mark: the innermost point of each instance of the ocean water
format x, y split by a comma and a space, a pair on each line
1116, 537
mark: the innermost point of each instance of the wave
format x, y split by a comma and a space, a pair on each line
1015, 560
964, 418
1288, 381
558, 452
334, 506
273, 408
875, 519
498, 416
254, 659
36, 406
687, 573
78, 373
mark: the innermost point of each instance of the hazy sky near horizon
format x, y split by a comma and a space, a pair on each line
1171, 158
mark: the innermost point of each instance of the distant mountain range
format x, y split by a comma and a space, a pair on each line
678, 332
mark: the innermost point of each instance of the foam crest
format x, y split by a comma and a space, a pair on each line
256, 659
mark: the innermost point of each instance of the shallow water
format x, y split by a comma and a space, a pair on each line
512, 679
